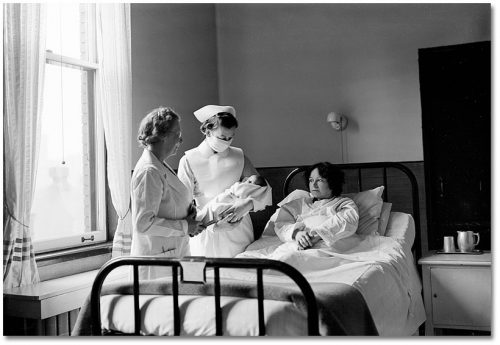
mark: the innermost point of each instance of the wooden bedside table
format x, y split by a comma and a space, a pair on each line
457, 291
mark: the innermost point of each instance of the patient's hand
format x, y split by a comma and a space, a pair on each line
303, 239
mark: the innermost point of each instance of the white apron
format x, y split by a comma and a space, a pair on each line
207, 174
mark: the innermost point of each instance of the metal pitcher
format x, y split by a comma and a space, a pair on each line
465, 241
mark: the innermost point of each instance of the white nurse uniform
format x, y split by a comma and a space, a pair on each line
207, 174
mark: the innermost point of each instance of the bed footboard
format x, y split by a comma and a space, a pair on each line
216, 263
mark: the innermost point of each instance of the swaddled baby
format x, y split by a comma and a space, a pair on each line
249, 187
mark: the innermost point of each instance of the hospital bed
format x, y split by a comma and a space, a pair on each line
375, 290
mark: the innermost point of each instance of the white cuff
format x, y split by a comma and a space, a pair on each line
185, 227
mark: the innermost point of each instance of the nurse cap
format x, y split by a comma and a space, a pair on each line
208, 111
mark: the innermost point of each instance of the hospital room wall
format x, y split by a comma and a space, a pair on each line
174, 63
286, 66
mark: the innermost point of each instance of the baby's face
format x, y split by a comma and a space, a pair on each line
252, 179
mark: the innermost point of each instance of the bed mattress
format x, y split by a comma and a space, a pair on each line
198, 316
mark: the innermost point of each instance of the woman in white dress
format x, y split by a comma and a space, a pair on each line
163, 217
211, 168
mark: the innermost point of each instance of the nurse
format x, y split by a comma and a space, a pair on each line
163, 216
211, 168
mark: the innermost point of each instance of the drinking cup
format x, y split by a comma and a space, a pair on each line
449, 244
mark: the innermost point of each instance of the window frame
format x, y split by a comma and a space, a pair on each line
96, 149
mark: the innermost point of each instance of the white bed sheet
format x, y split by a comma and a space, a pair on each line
381, 268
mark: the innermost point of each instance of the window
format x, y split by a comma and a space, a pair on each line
69, 201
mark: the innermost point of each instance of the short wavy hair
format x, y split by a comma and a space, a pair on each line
226, 120
156, 125
333, 175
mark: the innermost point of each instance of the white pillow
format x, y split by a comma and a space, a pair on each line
384, 218
401, 227
369, 204
296, 194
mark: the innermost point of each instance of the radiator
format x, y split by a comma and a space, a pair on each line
61, 324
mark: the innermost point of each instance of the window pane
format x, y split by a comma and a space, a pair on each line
67, 30
61, 204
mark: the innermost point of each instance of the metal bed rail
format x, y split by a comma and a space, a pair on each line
416, 248
216, 264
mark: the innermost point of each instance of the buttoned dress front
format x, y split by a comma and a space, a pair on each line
160, 204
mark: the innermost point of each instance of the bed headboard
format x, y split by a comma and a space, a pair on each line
401, 189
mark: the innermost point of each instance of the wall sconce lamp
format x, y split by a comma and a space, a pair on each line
337, 121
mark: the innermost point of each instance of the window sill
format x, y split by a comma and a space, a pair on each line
67, 262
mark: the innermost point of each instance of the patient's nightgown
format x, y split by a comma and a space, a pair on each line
331, 219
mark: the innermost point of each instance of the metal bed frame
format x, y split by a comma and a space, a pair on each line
416, 248
258, 264
216, 264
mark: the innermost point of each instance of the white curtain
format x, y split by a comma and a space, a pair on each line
24, 62
114, 103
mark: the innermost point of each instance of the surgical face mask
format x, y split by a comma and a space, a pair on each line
218, 145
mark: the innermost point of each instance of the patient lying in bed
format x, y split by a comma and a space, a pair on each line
329, 224
321, 220
325, 217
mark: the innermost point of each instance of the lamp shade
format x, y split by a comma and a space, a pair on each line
337, 121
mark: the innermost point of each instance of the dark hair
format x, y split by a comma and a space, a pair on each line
334, 176
156, 125
226, 120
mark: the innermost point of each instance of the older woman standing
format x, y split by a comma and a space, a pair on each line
211, 168
163, 217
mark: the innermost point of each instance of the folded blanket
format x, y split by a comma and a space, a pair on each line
341, 308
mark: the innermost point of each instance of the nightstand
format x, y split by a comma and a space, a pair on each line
457, 291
